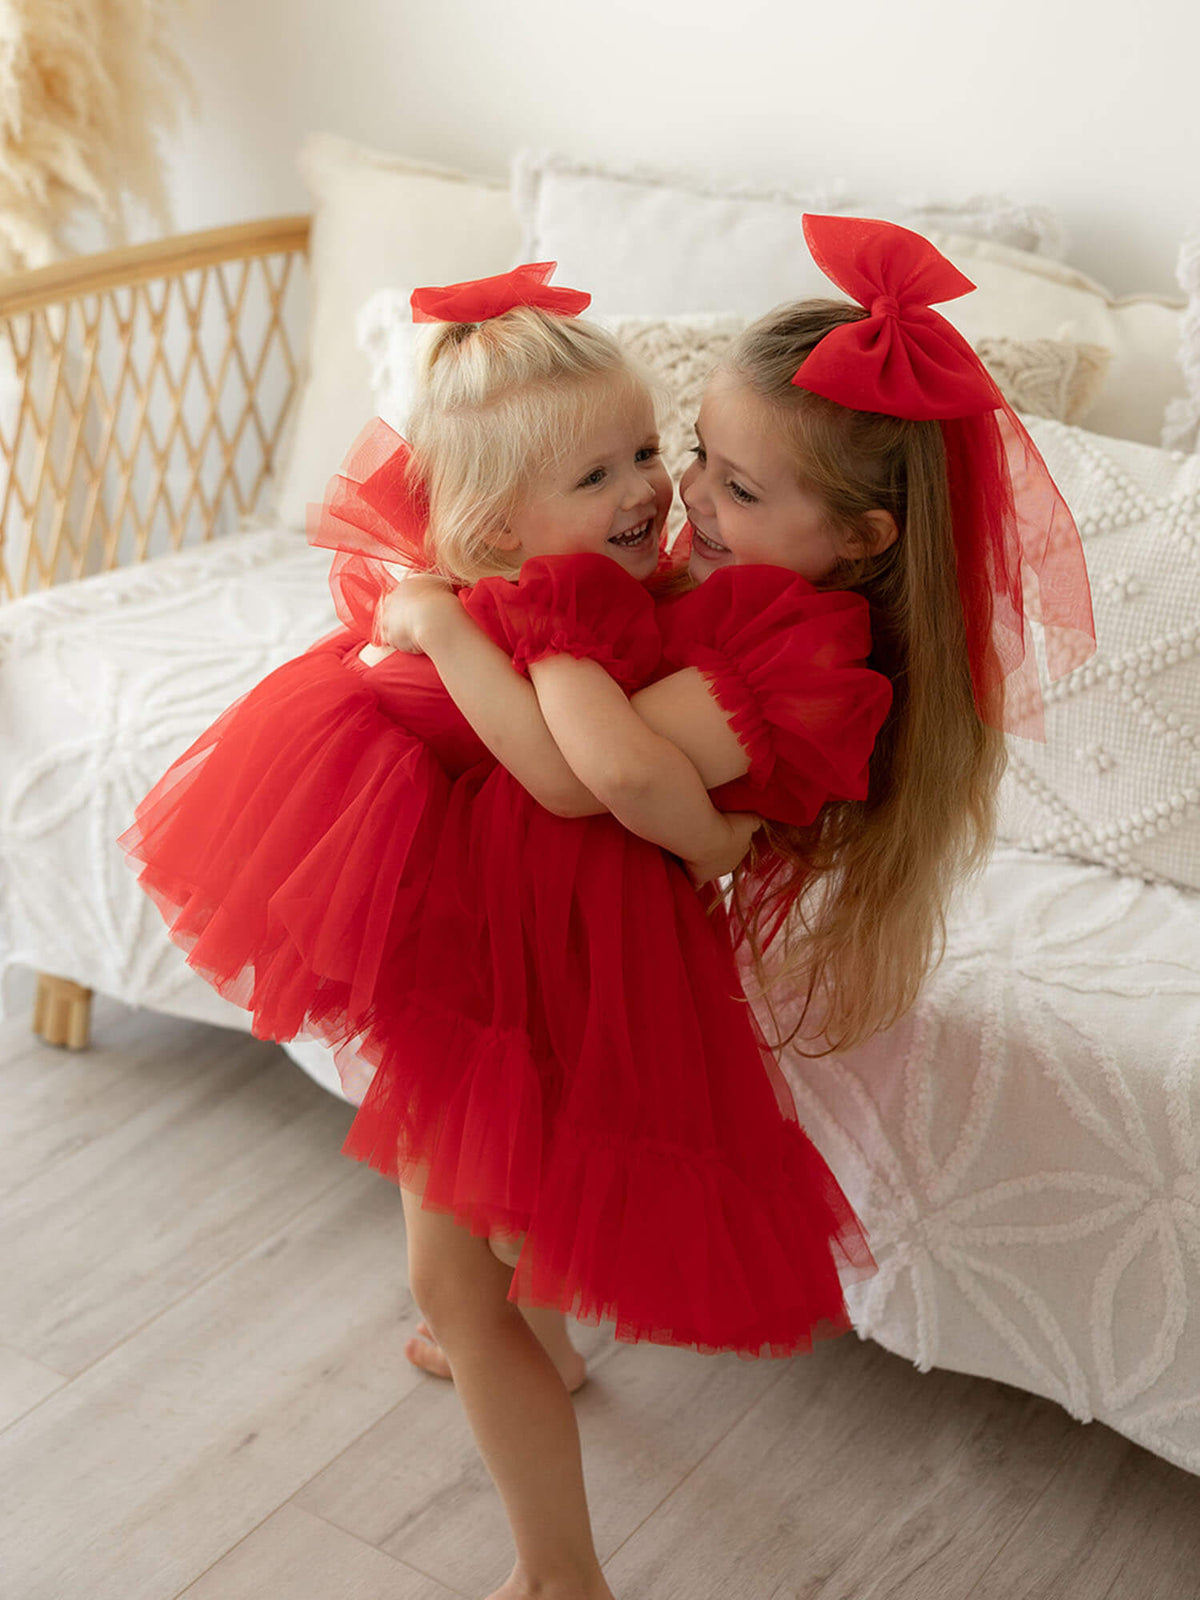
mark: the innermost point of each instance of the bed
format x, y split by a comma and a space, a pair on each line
1024, 1145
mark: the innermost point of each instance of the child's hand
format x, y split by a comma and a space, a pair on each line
742, 827
406, 610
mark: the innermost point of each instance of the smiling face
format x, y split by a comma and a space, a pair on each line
741, 493
610, 495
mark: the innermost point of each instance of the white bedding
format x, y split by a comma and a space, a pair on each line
102, 684
1023, 1147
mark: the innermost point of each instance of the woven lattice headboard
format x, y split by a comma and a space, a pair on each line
143, 397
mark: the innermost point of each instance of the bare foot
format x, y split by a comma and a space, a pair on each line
424, 1351
516, 1587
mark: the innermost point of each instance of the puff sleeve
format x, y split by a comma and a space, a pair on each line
583, 605
787, 663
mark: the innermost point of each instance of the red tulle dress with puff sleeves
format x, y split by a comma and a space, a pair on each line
541, 1016
575, 1002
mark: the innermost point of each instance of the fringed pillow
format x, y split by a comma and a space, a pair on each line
1053, 378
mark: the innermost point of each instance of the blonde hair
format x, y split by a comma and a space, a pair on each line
500, 402
874, 877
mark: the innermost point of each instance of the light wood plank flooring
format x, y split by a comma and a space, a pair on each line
203, 1392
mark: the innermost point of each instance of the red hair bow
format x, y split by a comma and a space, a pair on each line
1017, 548
904, 359
484, 298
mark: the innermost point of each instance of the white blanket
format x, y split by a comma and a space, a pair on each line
1024, 1149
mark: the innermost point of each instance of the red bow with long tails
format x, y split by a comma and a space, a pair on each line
483, 298
1017, 548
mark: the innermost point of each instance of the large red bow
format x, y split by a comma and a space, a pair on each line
904, 359
1017, 548
482, 298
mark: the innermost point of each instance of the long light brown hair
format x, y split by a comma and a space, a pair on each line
870, 880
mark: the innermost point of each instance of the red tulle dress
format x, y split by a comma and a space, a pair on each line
572, 1026
549, 1011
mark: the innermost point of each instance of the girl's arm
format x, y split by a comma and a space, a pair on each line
682, 708
500, 705
657, 789
645, 778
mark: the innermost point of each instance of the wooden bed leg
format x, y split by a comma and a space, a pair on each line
62, 1012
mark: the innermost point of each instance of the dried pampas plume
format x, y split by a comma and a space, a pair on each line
87, 89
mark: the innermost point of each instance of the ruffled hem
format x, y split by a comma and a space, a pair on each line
675, 1246
555, 641
462, 1121
740, 702
668, 1244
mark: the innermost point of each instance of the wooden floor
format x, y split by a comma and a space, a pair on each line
203, 1392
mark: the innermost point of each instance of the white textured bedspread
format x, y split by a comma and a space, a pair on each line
1024, 1149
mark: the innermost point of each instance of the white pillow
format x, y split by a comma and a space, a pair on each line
1118, 779
652, 243
1047, 377
659, 248
1022, 296
647, 247
378, 220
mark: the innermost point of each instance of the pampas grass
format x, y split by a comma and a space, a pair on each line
87, 90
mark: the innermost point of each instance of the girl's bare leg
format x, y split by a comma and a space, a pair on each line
516, 1403
550, 1327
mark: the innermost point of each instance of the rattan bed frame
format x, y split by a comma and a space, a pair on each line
149, 392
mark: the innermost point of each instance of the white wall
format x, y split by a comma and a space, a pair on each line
1091, 109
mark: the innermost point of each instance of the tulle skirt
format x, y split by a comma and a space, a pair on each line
284, 846
547, 1011
565, 1052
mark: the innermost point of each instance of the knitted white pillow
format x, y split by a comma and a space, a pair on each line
1181, 429
679, 353
1118, 779
1047, 377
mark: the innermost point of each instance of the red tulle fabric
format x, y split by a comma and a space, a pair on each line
374, 516
482, 298
584, 605
1018, 549
787, 663
546, 1013
904, 359
675, 1177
